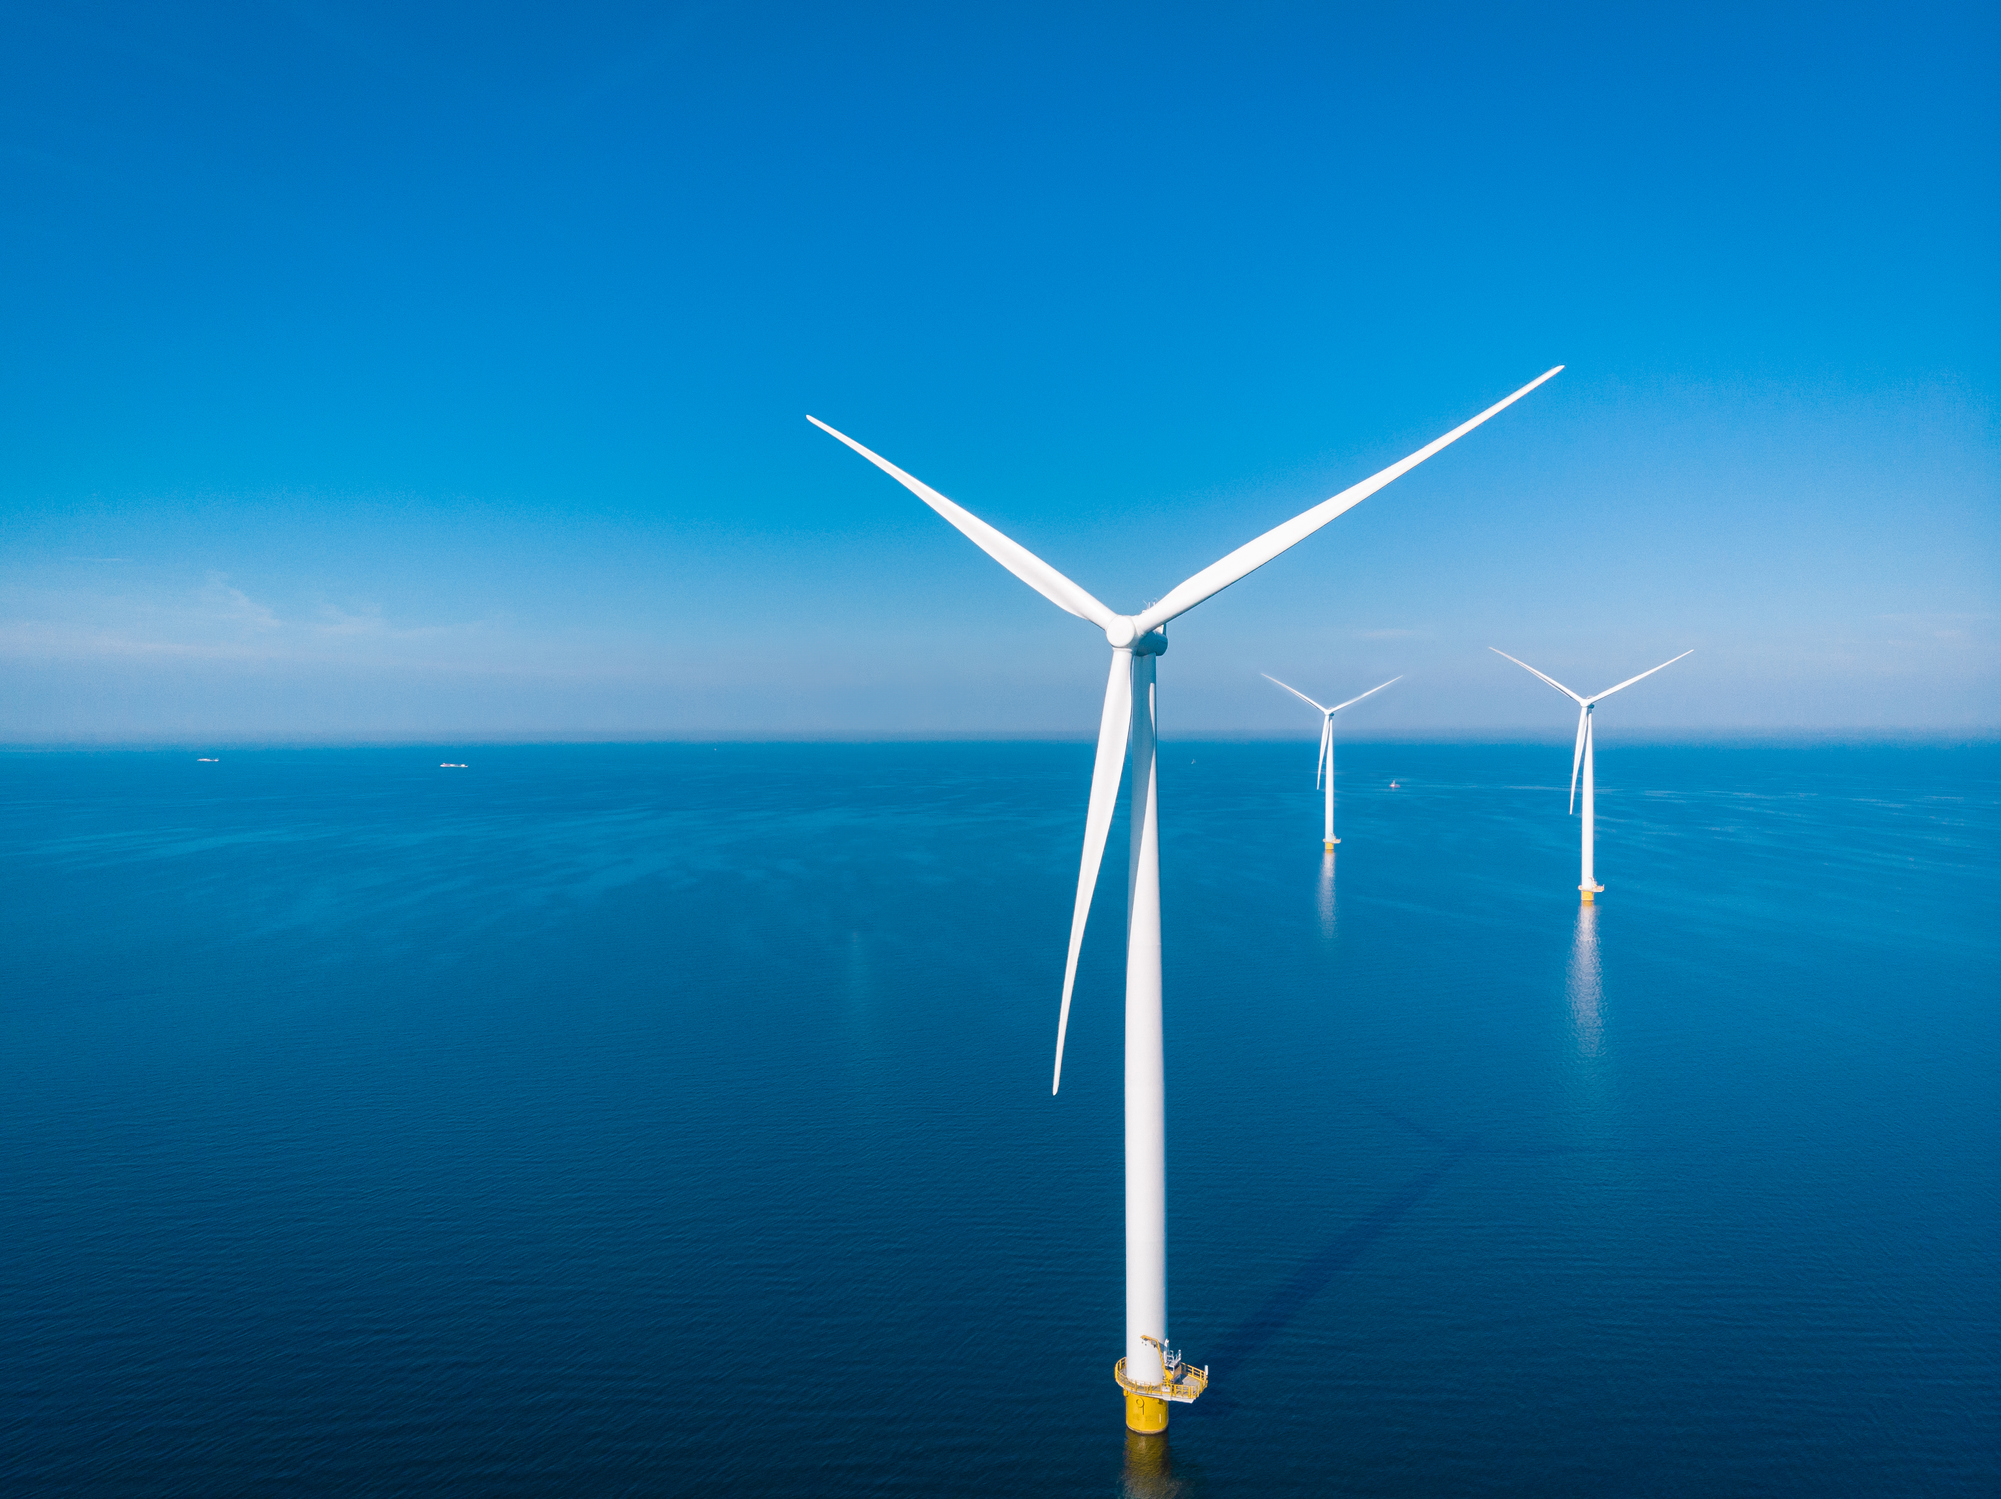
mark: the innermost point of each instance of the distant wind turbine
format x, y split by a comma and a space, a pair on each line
1325, 769
1151, 1373
1588, 885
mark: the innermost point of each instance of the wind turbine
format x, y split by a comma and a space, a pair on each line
1151, 1373
1582, 754
1327, 742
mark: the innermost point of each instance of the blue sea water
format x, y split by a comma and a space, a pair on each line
613, 1120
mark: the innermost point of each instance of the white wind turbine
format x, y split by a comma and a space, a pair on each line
1587, 884
1150, 1373
1326, 765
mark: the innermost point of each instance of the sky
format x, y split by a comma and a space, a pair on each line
440, 372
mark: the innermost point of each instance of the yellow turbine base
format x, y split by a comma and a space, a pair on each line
1330, 844
1585, 892
1144, 1414
1146, 1410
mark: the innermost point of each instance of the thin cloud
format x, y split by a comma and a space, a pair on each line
335, 620
370, 622
235, 605
219, 621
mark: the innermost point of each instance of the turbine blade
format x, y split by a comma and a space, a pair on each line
1631, 680
1294, 691
1530, 669
1113, 730
1326, 744
1577, 755
1010, 554
1370, 693
1253, 555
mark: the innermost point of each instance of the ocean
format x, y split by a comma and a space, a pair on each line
675, 1119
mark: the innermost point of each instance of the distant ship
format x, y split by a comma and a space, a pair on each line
451, 765
207, 760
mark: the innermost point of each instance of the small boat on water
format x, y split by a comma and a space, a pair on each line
451, 765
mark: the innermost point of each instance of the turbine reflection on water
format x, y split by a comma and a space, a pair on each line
1149, 1470
1586, 993
1326, 894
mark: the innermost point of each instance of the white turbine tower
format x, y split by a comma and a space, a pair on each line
1326, 766
1150, 1373
1587, 883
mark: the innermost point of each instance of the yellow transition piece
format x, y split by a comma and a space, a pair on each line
1145, 1414
1146, 1404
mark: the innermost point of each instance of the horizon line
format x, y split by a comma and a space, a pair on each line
1497, 734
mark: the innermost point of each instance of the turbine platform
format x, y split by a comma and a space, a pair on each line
1146, 1404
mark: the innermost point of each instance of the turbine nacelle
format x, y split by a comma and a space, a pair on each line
1125, 634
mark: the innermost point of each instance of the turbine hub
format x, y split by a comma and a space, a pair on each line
1122, 632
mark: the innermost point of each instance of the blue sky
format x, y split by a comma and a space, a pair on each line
440, 371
